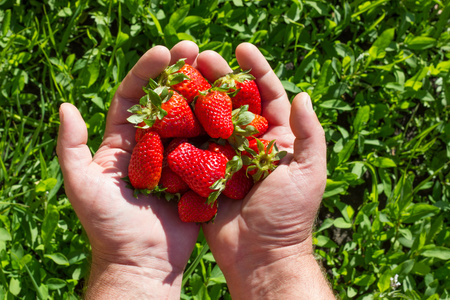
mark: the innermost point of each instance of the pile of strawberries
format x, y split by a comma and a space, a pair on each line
196, 140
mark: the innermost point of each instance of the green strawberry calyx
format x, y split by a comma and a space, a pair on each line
222, 89
263, 161
229, 80
158, 191
241, 118
171, 75
149, 108
233, 165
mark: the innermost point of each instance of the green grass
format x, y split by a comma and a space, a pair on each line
378, 74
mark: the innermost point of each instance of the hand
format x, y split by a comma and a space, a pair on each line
263, 244
138, 245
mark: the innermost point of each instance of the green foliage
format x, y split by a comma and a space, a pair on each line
378, 74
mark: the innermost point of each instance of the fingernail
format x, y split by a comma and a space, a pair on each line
308, 103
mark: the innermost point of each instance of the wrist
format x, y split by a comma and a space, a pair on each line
155, 279
289, 273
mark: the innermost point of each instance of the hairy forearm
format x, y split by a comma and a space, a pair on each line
286, 280
290, 277
115, 281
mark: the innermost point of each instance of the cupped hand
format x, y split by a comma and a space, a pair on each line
275, 220
124, 231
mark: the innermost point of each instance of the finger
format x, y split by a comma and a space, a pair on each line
212, 65
150, 65
184, 49
73, 153
119, 133
275, 103
309, 144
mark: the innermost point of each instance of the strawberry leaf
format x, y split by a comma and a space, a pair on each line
238, 141
144, 101
241, 117
246, 118
268, 149
214, 195
259, 175
154, 98
140, 126
161, 193
280, 155
176, 78
151, 85
246, 160
149, 122
166, 95
229, 80
233, 165
241, 76
233, 93
176, 67
136, 119
250, 151
262, 162
135, 109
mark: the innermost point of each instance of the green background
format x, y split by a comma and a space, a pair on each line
378, 75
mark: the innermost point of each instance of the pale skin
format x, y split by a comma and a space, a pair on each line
263, 244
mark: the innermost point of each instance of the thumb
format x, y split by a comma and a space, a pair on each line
73, 153
309, 145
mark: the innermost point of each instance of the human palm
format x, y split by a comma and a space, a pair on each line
277, 215
122, 229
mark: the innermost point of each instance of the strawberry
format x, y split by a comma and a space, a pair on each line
166, 112
245, 123
261, 158
225, 149
213, 109
144, 169
200, 169
204, 171
173, 144
194, 208
171, 182
245, 90
260, 124
185, 79
141, 130
239, 184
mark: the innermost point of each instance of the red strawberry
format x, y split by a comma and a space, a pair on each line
180, 121
247, 92
225, 149
260, 124
261, 158
144, 169
173, 144
165, 112
213, 109
200, 169
141, 131
194, 208
238, 186
185, 79
171, 182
